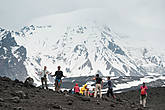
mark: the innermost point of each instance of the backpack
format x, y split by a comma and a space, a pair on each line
143, 91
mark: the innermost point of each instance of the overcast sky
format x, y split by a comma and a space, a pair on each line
146, 17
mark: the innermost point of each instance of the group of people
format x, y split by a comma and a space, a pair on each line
85, 90
58, 74
99, 84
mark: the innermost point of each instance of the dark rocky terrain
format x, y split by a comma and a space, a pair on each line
16, 95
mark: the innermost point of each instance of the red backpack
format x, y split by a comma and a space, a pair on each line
143, 91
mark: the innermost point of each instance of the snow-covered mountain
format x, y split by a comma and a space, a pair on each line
76, 42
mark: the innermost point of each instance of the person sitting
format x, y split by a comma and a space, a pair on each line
91, 92
84, 90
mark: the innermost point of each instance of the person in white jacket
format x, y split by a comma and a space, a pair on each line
44, 77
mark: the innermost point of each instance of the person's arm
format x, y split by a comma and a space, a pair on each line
47, 72
54, 75
63, 75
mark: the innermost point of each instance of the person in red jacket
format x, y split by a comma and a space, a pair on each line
76, 89
143, 95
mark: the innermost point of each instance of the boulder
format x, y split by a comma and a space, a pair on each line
29, 82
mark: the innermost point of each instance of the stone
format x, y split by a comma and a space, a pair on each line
112, 105
15, 99
70, 101
29, 82
85, 98
98, 103
56, 106
18, 108
1, 100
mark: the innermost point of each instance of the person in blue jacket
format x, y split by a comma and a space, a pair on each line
110, 88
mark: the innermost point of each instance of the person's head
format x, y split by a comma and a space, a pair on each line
76, 84
108, 78
144, 84
59, 67
97, 75
45, 67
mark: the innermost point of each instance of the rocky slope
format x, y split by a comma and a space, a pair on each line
14, 95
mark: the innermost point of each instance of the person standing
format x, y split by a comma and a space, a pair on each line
76, 89
110, 88
99, 83
58, 81
143, 94
44, 77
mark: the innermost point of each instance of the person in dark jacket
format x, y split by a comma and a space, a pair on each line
110, 88
58, 81
99, 83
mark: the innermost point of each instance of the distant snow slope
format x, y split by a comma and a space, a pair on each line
82, 46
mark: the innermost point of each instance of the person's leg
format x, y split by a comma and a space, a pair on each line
56, 85
144, 101
100, 91
59, 85
95, 95
108, 92
141, 100
88, 93
112, 94
46, 83
42, 83
85, 92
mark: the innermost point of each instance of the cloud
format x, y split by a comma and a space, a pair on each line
141, 19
